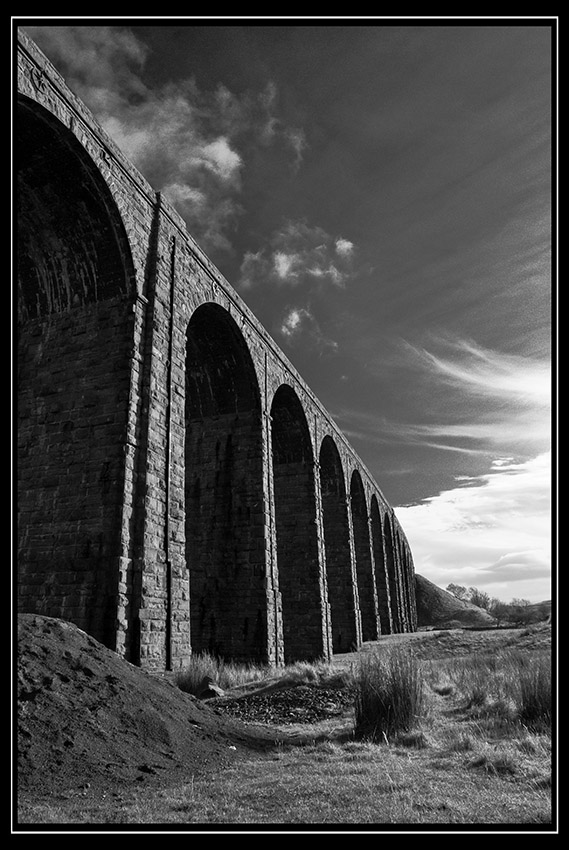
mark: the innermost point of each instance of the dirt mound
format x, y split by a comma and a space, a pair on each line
439, 609
87, 716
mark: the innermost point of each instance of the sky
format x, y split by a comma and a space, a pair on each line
381, 194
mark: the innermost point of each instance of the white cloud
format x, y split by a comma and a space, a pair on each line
293, 321
299, 321
177, 135
293, 137
344, 247
222, 160
516, 566
492, 532
299, 255
284, 265
296, 139
98, 60
182, 194
251, 268
306, 258
330, 271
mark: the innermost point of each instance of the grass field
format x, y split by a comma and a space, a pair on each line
476, 751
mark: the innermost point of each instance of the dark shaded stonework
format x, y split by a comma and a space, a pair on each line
181, 489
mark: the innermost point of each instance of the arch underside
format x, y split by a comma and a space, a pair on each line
225, 521
342, 594
381, 579
391, 567
296, 533
364, 562
75, 278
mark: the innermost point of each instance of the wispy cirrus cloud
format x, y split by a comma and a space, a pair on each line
491, 529
490, 398
483, 372
474, 400
299, 255
190, 143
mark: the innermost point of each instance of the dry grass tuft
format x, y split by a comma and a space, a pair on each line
389, 696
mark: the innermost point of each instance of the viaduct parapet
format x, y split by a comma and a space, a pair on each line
180, 488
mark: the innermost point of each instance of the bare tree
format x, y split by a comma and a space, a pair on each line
499, 610
479, 598
456, 590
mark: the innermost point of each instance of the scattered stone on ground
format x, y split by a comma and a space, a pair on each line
297, 704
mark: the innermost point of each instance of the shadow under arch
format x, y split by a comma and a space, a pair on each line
76, 284
404, 579
364, 563
296, 530
72, 248
225, 521
392, 576
381, 580
336, 526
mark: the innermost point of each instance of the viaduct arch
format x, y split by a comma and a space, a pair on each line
180, 488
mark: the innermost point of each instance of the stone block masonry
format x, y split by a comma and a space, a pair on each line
180, 488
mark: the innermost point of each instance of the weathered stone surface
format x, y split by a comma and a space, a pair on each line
180, 487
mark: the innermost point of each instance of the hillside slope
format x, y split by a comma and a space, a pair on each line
439, 609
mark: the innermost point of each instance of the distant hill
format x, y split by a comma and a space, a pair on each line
540, 610
440, 609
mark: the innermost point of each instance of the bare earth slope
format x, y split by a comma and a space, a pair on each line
87, 716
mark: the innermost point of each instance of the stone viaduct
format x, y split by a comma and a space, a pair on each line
180, 488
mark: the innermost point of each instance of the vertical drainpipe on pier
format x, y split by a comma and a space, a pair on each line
168, 460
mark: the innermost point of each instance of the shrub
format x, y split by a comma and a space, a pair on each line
389, 695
